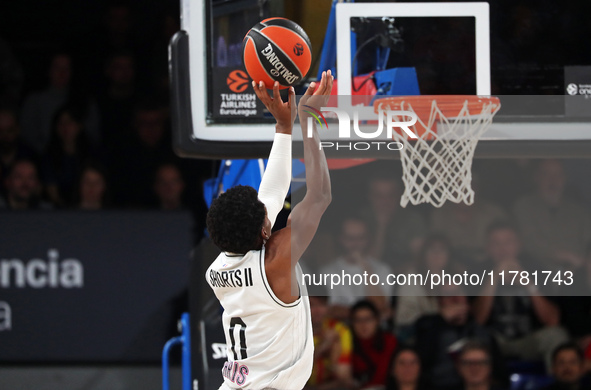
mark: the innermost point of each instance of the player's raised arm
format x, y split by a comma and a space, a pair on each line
277, 177
306, 216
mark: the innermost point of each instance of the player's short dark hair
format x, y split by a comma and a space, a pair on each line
235, 219
568, 346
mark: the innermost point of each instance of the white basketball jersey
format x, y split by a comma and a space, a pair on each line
270, 344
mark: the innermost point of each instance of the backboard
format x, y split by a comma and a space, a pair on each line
215, 115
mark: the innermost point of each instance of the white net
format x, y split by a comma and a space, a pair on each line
438, 165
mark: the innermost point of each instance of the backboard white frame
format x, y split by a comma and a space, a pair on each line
480, 11
195, 137
193, 21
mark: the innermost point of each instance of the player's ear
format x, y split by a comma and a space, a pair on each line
264, 234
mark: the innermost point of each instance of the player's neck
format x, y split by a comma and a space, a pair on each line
232, 254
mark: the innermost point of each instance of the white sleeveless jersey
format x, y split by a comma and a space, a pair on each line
269, 343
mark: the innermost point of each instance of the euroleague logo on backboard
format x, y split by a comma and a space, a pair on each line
578, 89
572, 89
237, 81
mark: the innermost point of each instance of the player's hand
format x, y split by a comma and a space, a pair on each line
319, 98
283, 112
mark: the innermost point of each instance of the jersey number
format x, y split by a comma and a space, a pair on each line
234, 322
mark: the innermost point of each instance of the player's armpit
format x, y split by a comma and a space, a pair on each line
278, 250
279, 271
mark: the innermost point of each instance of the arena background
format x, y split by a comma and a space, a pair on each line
94, 280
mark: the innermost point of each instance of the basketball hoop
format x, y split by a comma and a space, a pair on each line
438, 165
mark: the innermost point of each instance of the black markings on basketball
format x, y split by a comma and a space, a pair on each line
275, 62
286, 23
298, 49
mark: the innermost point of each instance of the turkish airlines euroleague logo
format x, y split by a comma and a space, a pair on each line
237, 81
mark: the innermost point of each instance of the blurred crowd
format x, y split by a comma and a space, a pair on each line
96, 134
525, 219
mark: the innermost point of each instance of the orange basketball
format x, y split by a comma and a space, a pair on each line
277, 49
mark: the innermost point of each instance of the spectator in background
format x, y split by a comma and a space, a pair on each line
414, 301
92, 189
137, 162
575, 169
170, 24
575, 310
355, 260
23, 189
372, 347
475, 367
168, 187
525, 322
405, 371
514, 174
397, 232
12, 147
40, 107
440, 336
555, 229
118, 27
11, 76
114, 34
332, 349
568, 368
66, 154
117, 99
465, 226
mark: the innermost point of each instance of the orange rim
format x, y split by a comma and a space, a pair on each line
449, 105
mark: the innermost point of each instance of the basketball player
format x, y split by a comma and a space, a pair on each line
267, 324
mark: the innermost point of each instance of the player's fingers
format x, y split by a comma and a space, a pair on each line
330, 82
256, 90
264, 93
276, 94
329, 79
320, 90
291, 98
317, 91
329, 85
311, 88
